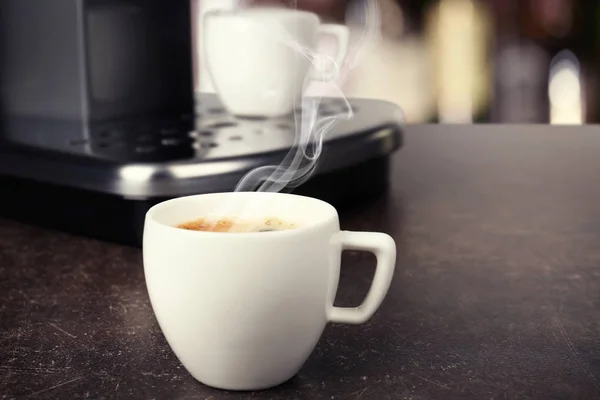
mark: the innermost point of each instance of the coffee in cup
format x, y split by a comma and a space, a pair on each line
234, 225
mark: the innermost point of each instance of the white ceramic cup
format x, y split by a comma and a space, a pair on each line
243, 311
259, 58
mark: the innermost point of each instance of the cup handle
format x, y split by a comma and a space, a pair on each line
342, 36
384, 248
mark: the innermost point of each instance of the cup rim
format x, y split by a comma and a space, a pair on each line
243, 12
150, 217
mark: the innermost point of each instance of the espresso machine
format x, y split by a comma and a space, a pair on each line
99, 121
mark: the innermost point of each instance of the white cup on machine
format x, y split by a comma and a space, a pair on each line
259, 59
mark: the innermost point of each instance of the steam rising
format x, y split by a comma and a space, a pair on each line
311, 129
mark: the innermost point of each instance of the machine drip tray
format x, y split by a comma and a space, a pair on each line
120, 220
95, 183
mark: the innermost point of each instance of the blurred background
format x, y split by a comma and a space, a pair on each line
477, 61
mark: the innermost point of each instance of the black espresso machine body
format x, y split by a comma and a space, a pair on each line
93, 61
98, 121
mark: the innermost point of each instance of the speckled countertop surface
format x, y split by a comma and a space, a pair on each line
496, 295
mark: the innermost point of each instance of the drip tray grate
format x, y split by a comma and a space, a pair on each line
227, 136
145, 158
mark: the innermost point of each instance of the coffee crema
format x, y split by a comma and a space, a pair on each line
227, 225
